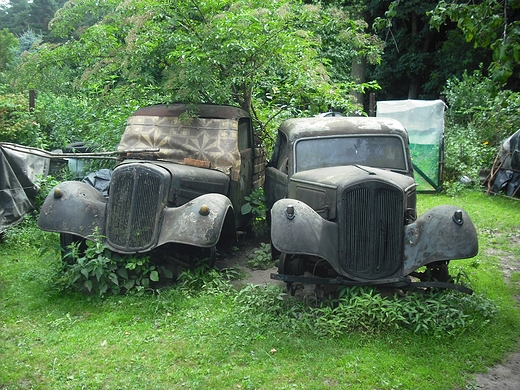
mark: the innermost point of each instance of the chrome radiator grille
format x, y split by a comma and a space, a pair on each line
373, 231
138, 194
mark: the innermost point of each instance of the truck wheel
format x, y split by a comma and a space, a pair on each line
211, 255
438, 271
290, 265
66, 240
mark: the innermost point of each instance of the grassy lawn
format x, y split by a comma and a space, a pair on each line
208, 339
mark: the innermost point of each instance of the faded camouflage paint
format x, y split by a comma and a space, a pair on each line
211, 140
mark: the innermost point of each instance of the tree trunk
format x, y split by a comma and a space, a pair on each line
358, 71
413, 87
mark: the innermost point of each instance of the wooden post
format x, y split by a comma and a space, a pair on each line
372, 104
32, 99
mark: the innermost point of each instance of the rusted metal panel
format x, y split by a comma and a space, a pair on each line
438, 235
73, 207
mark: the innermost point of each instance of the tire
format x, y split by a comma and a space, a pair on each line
438, 271
210, 254
66, 240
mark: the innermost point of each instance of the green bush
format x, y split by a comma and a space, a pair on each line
17, 123
436, 313
255, 205
96, 270
479, 118
95, 121
261, 258
364, 309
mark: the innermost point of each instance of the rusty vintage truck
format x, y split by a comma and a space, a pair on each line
342, 200
178, 187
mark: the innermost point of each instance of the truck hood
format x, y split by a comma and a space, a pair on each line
346, 176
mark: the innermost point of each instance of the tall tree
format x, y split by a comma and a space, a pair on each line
410, 46
418, 59
493, 24
230, 51
15, 16
8, 43
22, 15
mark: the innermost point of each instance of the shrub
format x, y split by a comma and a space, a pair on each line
261, 258
96, 270
255, 205
17, 123
479, 118
435, 313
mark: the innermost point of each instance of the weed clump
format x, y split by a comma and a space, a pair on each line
364, 309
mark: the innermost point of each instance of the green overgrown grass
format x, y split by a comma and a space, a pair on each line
203, 334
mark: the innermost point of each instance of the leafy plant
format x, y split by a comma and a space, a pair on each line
479, 118
17, 123
203, 279
255, 205
97, 270
261, 307
261, 258
436, 313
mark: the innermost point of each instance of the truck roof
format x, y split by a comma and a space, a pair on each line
330, 126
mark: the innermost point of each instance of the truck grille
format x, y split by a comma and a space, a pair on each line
138, 194
373, 231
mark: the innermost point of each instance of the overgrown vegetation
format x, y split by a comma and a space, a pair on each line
261, 257
255, 205
97, 270
17, 124
479, 117
204, 333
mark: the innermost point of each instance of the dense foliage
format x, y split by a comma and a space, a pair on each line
96, 62
20, 15
479, 118
17, 124
274, 59
493, 24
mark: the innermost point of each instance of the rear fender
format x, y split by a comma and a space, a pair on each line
439, 235
305, 232
201, 222
73, 207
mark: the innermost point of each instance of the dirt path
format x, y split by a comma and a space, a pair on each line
504, 376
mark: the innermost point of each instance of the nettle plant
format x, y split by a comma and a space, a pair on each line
261, 257
91, 268
255, 205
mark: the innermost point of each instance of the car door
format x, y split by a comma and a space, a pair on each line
244, 185
277, 172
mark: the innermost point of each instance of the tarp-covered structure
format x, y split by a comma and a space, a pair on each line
424, 121
504, 177
20, 168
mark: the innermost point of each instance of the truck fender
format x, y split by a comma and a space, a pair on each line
442, 233
297, 229
73, 207
200, 222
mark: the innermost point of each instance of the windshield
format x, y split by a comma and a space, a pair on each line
386, 152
